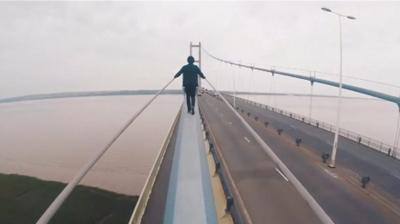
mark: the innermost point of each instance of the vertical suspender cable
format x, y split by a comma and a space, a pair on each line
272, 88
56, 204
357, 89
311, 97
296, 183
234, 87
397, 135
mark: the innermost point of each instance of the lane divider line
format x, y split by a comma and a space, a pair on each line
330, 173
283, 175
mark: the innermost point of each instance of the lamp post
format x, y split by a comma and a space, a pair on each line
234, 83
336, 139
234, 88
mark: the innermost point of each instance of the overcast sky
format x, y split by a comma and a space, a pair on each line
70, 46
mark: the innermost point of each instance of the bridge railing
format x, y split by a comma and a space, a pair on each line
236, 208
356, 137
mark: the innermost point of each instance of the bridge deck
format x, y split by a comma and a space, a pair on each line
182, 191
266, 194
190, 198
384, 170
336, 190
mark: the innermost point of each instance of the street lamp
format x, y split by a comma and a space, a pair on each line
336, 139
234, 88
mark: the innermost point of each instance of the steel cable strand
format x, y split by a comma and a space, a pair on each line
59, 200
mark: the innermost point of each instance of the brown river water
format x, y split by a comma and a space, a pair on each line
52, 139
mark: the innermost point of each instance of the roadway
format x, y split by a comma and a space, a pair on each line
336, 190
266, 194
360, 159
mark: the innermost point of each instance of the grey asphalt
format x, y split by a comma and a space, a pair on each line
267, 196
336, 190
383, 170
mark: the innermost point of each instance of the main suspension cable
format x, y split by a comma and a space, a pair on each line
315, 71
365, 91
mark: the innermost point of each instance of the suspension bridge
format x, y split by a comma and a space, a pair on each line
239, 161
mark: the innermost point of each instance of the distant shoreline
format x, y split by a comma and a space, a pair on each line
86, 94
136, 92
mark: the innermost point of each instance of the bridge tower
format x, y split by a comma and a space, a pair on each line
198, 60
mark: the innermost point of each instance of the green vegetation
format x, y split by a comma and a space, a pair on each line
23, 199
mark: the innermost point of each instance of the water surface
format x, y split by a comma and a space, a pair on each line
52, 139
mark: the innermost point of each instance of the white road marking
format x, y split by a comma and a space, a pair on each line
234, 186
330, 173
283, 175
247, 140
292, 126
395, 175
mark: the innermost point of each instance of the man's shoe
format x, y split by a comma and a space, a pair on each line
193, 112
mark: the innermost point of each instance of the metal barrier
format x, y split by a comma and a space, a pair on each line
236, 208
56, 204
361, 139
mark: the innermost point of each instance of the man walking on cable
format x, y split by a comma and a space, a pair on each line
190, 82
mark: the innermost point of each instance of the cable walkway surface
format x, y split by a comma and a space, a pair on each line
190, 197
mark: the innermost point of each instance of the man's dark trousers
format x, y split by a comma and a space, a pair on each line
190, 91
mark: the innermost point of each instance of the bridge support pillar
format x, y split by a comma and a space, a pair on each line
198, 60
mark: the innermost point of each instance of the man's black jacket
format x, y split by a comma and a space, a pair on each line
190, 73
